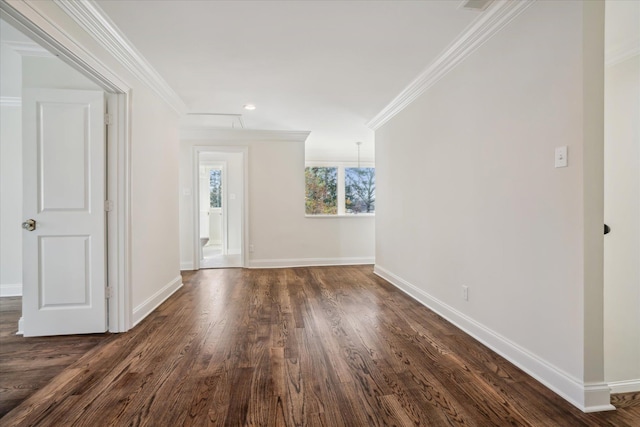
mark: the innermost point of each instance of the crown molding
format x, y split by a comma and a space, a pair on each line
200, 133
622, 52
28, 49
489, 23
27, 17
10, 101
95, 21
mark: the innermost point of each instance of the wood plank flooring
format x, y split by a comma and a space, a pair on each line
325, 346
27, 365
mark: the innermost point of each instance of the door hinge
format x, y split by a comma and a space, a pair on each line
108, 205
109, 292
108, 119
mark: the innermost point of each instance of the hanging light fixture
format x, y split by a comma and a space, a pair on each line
359, 143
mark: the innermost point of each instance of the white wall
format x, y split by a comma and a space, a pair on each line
52, 73
234, 197
278, 229
204, 201
468, 195
10, 202
154, 202
155, 257
622, 213
11, 174
11, 71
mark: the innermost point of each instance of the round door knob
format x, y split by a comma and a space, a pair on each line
29, 225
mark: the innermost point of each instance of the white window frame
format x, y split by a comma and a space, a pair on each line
342, 212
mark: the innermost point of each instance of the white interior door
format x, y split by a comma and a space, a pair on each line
64, 257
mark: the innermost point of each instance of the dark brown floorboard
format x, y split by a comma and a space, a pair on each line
28, 364
326, 346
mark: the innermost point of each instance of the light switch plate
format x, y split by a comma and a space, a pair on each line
561, 160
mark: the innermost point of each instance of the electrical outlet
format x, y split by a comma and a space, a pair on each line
465, 293
251, 248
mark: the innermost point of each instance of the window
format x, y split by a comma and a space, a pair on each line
215, 188
360, 190
339, 190
321, 191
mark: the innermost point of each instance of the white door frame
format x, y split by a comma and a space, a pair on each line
118, 156
244, 209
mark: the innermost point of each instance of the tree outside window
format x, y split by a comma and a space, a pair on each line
360, 190
321, 185
215, 188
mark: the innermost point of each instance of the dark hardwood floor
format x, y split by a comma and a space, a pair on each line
28, 364
326, 346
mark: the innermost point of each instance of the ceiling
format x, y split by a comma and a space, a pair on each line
323, 66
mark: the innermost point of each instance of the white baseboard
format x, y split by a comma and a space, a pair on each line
11, 290
308, 262
186, 265
20, 326
586, 397
630, 386
151, 303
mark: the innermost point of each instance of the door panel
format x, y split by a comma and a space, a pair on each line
64, 191
63, 155
64, 282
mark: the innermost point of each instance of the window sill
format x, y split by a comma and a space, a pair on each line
362, 215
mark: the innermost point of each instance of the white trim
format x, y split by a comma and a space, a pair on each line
586, 397
13, 290
154, 301
597, 398
470, 6
622, 52
489, 23
28, 49
197, 133
20, 326
10, 101
25, 16
337, 163
326, 216
629, 386
186, 265
95, 21
309, 262
119, 219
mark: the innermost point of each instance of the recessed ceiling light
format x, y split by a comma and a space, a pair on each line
249, 107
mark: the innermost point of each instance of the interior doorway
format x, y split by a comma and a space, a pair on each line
63, 65
220, 207
59, 254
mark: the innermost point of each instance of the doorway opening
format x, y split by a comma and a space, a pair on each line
220, 209
59, 52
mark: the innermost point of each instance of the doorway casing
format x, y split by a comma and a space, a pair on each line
118, 155
196, 151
